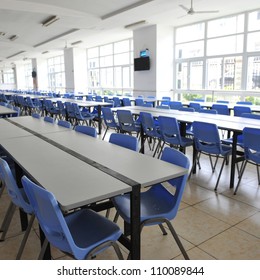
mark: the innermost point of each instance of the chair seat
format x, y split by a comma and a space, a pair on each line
229, 141
157, 202
86, 236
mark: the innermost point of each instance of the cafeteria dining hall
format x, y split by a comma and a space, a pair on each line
130, 130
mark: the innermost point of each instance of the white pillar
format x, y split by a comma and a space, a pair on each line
75, 60
158, 81
41, 80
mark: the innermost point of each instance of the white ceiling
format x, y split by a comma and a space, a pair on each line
93, 22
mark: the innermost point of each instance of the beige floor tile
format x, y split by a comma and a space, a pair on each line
196, 226
233, 244
251, 225
227, 210
196, 254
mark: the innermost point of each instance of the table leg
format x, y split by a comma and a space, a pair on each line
99, 120
135, 224
233, 160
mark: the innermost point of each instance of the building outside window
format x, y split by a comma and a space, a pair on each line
110, 68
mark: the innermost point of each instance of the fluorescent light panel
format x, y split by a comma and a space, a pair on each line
13, 37
76, 43
15, 54
135, 24
50, 21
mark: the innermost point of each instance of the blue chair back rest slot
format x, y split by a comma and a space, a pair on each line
124, 140
88, 130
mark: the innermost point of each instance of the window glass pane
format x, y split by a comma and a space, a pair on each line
214, 70
226, 26
93, 63
122, 46
254, 21
196, 74
226, 45
94, 78
93, 52
106, 61
106, 77
182, 75
188, 50
118, 77
253, 42
253, 73
126, 77
106, 49
121, 59
190, 33
232, 73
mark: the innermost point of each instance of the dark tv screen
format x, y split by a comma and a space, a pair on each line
142, 63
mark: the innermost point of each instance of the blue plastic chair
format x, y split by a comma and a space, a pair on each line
223, 101
124, 140
127, 101
163, 107
127, 123
117, 102
251, 140
195, 105
49, 119
170, 132
64, 123
109, 119
36, 115
139, 102
239, 110
18, 199
208, 111
245, 102
82, 116
81, 234
158, 205
150, 131
88, 130
222, 109
176, 105
207, 141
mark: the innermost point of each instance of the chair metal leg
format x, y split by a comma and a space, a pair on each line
220, 172
7, 220
163, 229
175, 236
43, 249
25, 237
243, 167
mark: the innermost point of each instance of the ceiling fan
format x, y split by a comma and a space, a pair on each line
191, 11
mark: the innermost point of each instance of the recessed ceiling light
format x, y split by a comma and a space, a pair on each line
13, 37
49, 21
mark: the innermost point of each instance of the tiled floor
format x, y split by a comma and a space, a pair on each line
211, 225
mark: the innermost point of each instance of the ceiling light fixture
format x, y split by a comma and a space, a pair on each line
45, 52
50, 21
76, 43
2, 33
15, 54
135, 24
125, 9
14, 37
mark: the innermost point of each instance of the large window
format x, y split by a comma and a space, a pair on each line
219, 54
28, 75
110, 67
56, 73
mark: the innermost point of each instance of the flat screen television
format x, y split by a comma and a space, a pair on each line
142, 63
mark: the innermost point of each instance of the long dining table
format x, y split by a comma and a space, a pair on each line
81, 170
228, 123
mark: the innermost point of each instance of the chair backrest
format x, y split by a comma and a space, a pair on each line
208, 111
16, 194
206, 137
199, 100
49, 119
64, 123
148, 125
187, 109
125, 118
139, 102
222, 109
99, 98
251, 138
88, 130
36, 115
169, 129
175, 105
117, 102
108, 117
163, 107
223, 101
49, 216
251, 116
239, 110
195, 105
124, 140
176, 157
126, 101
244, 102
